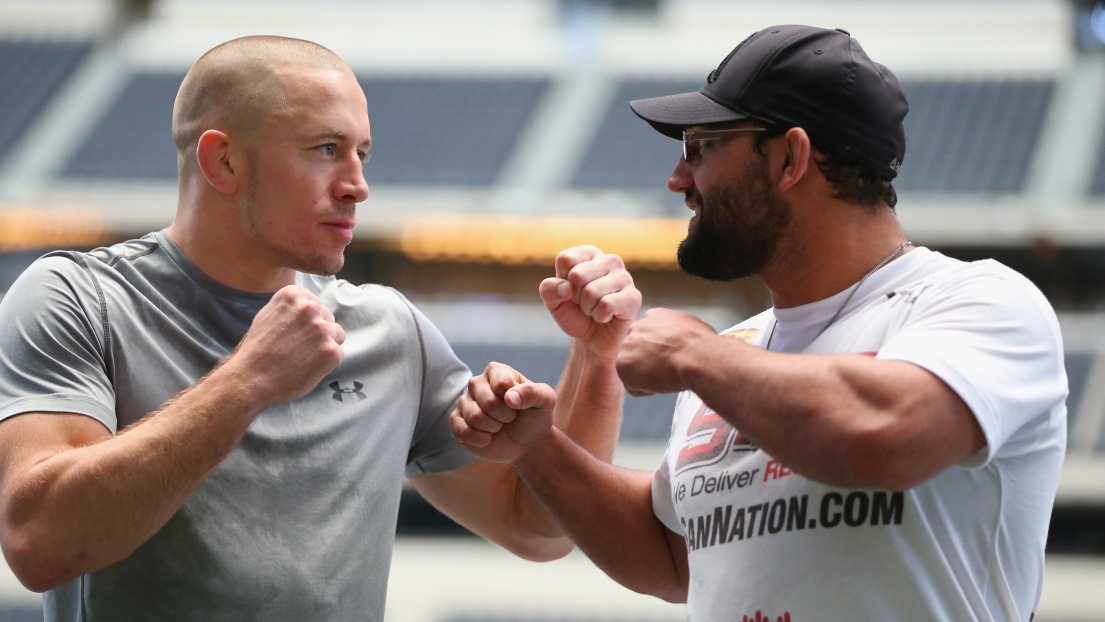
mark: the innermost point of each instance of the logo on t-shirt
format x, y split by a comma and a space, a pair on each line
746, 335
709, 439
340, 393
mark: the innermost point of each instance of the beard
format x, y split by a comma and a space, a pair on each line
739, 228
298, 259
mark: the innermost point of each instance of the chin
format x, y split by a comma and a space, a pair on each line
322, 264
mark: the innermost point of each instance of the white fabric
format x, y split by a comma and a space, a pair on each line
966, 545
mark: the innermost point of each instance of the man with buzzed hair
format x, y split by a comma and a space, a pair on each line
203, 424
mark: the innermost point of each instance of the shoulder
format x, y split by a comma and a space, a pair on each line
52, 279
989, 284
78, 266
983, 304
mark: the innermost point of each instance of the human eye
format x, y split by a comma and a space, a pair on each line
328, 149
364, 156
693, 151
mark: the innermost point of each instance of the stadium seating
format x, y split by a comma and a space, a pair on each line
625, 152
446, 130
972, 136
31, 71
963, 136
440, 131
133, 140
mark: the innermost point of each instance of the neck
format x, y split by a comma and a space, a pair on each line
830, 260
216, 244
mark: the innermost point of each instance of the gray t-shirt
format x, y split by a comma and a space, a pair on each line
298, 522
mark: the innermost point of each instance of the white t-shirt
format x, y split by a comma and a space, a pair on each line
968, 544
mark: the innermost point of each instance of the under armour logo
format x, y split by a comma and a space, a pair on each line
339, 391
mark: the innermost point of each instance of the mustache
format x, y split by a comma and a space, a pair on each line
342, 211
693, 197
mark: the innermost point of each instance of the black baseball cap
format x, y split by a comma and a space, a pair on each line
798, 76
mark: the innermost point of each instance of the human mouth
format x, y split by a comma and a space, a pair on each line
342, 227
693, 200
694, 219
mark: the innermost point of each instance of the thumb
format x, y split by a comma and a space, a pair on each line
554, 291
530, 395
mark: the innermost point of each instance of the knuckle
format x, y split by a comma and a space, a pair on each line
589, 295
484, 423
502, 384
605, 307
486, 403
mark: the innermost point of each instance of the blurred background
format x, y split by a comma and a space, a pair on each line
502, 134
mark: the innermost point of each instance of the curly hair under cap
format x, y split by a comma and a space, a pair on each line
852, 181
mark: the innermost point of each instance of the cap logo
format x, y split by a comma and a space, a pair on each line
896, 165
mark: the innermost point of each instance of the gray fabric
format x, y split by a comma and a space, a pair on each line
298, 522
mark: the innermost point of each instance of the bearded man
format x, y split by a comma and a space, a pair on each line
884, 443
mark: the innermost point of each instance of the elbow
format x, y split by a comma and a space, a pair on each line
676, 595
541, 549
24, 555
40, 558
876, 459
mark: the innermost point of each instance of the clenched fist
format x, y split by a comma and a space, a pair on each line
502, 413
592, 298
291, 346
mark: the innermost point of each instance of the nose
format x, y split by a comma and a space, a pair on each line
680, 180
353, 186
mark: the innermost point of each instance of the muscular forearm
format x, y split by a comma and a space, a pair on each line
85, 507
607, 511
846, 420
589, 403
490, 500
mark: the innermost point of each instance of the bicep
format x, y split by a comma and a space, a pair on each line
473, 496
930, 427
488, 499
677, 544
996, 346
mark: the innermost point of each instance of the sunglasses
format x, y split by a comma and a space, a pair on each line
692, 141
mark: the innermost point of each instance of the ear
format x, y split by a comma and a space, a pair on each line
797, 154
213, 157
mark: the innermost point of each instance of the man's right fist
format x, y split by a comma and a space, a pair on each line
502, 413
291, 345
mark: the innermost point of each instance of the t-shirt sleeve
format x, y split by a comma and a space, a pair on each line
433, 448
994, 340
53, 356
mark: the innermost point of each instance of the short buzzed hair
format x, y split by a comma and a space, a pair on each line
236, 85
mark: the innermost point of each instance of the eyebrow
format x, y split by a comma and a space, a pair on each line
339, 136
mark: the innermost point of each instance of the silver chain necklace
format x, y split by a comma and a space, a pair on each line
855, 289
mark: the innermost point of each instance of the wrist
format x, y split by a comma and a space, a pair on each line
531, 453
251, 392
593, 355
686, 358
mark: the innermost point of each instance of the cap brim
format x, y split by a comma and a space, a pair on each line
671, 113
